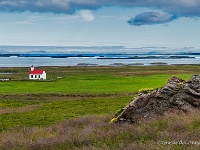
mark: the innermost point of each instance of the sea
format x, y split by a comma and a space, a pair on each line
26, 56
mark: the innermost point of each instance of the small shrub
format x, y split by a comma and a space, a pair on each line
179, 85
146, 90
113, 120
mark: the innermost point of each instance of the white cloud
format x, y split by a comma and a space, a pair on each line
79, 16
86, 15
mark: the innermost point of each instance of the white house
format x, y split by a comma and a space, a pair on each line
37, 74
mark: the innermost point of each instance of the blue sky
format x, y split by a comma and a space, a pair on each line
129, 23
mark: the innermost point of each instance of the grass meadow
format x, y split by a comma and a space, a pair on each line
72, 109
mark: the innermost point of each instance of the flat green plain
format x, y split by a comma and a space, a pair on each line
87, 84
71, 92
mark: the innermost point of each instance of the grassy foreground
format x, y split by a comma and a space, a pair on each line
32, 113
172, 132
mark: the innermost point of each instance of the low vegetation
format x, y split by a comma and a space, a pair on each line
180, 131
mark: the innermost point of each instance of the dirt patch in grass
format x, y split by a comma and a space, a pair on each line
20, 109
46, 97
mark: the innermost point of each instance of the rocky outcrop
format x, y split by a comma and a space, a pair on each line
177, 94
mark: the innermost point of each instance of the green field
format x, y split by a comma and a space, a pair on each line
94, 80
88, 84
81, 91
73, 92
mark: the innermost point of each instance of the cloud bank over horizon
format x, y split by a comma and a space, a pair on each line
180, 8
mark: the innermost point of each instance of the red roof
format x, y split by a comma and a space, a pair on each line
36, 72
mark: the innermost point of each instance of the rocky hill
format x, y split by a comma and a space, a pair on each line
176, 95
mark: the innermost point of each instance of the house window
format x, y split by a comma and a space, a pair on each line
38, 76
31, 76
35, 76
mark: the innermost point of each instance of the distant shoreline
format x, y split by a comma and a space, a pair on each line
104, 55
147, 57
94, 59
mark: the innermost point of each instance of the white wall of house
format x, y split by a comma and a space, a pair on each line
44, 75
38, 76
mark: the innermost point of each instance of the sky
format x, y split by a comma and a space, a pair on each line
128, 23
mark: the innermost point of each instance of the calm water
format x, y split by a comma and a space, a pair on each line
47, 61
72, 61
